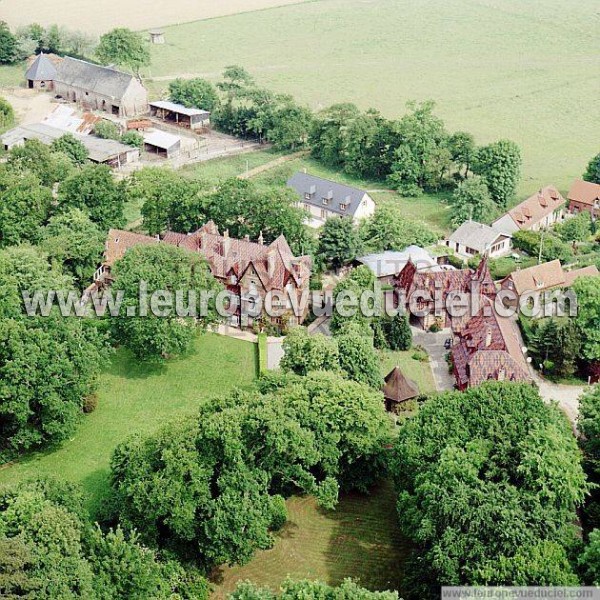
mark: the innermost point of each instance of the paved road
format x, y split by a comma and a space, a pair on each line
434, 345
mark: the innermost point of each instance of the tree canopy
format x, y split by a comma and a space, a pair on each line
124, 47
194, 93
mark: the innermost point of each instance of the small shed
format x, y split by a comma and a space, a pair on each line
157, 36
398, 388
162, 143
41, 73
190, 118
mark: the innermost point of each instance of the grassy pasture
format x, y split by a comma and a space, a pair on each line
360, 539
134, 397
497, 68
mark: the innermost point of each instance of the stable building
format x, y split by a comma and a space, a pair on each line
95, 87
191, 118
162, 143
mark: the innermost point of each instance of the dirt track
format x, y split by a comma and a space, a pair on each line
99, 17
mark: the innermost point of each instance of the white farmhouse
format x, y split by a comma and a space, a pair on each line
473, 238
324, 199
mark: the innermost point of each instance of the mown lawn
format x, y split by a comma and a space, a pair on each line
360, 539
498, 68
137, 398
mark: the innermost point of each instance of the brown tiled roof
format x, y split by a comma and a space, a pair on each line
536, 207
538, 277
489, 348
571, 276
398, 388
119, 241
275, 264
584, 192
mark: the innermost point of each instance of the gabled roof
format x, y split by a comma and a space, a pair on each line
477, 236
313, 190
87, 76
531, 211
42, 69
119, 241
584, 192
398, 388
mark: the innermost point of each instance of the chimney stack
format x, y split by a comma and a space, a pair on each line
261, 240
488, 337
226, 242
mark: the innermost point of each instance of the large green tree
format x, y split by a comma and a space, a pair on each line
472, 200
38, 158
592, 172
69, 145
305, 353
124, 47
8, 44
499, 164
194, 93
93, 189
357, 355
587, 290
339, 242
488, 482
164, 271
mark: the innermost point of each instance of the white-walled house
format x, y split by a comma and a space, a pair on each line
473, 238
324, 199
542, 210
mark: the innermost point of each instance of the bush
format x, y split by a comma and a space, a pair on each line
106, 130
278, 512
133, 138
90, 403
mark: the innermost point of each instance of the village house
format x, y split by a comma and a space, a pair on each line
544, 277
324, 199
248, 270
473, 238
584, 196
95, 87
488, 348
540, 211
422, 290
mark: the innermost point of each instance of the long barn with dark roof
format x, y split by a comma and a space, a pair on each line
95, 87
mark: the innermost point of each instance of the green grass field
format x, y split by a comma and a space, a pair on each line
498, 68
138, 398
360, 539
418, 371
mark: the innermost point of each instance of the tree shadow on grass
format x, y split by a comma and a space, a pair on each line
126, 365
366, 543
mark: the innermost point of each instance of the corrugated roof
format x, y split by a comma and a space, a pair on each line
391, 262
315, 190
161, 139
99, 150
94, 78
42, 69
179, 108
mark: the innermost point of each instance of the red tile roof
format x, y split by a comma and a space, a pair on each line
536, 207
584, 192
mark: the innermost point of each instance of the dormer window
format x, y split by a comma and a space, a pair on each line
343, 206
307, 196
326, 201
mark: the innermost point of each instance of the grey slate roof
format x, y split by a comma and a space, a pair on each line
476, 235
41, 69
93, 78
335, 193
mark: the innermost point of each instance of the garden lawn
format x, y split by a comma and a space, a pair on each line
360, 539
497, 68
134, 397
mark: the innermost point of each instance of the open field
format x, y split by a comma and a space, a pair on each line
91, 16
360, 539
498, 68
137, 398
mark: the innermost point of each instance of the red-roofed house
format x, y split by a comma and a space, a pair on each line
245, 268
584, 196
543, 209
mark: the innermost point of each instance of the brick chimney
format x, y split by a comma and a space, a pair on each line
226, 242
488, 337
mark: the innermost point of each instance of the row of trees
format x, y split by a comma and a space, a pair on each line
49, 549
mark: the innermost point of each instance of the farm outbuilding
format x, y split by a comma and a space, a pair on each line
162, 143
190, 118
95, 87
107, 152
157, 36
41, 74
